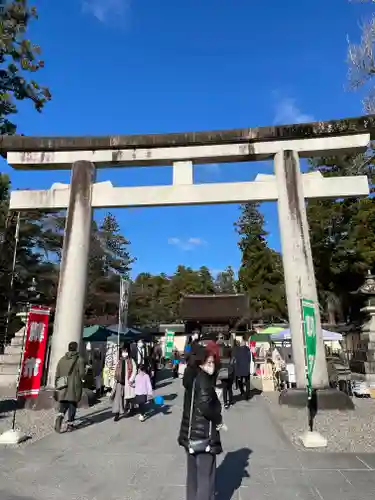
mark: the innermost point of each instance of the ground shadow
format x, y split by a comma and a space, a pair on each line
163, 374
8, 405
230, 473
94, 418
160, 385
156, 410
241, 397
170, 397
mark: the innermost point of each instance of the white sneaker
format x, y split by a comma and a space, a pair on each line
142, 418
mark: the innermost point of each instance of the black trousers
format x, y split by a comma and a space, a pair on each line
70, 408
200, 480
244, 386
142, 404
227, 391
153, 373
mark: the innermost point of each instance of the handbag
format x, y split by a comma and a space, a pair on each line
62, 382
197, 445
223, 374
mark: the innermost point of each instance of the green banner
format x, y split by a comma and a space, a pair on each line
169, 343
309, 328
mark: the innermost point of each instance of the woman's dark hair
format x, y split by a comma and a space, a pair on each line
199, 355
142, 368
125, 348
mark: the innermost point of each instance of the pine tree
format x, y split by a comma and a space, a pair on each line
17, 57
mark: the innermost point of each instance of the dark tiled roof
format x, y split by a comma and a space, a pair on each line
213, 307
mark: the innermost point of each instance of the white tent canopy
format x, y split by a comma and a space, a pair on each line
285, 335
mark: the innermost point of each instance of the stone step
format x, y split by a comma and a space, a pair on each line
10, 359
17, 341
9, 369
8, 384
13, 349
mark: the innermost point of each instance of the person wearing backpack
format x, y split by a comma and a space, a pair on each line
69, 378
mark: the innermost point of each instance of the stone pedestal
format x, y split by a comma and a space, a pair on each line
298, 265
328, 399
71, 295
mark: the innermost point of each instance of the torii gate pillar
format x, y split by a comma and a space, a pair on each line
71, 295
298, 264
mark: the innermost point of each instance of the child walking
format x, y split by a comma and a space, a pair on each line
143, 391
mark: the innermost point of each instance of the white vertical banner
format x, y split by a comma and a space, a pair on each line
124, 304
110, 363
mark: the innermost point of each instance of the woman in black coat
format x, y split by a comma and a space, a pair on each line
201, 423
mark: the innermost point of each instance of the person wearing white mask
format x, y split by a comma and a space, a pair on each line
200, 426
123, 392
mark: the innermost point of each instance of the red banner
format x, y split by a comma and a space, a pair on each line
34, 352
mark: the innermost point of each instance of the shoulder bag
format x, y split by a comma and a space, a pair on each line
62, 382
197, 445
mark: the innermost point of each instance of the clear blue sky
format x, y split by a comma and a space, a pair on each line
147, 66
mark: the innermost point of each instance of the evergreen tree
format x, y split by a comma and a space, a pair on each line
109, 259
260, 274
342, 234
206, 285
116, 256
17, 57
225, 281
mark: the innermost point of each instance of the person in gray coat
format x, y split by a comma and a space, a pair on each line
69, 378
242, 356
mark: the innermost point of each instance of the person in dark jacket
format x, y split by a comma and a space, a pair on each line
69, 377
242, 355
203, 406
226, 373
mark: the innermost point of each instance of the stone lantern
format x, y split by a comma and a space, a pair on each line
368, 327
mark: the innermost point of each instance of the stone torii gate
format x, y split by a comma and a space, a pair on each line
289, 187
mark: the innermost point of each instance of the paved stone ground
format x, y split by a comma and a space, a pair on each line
130, 460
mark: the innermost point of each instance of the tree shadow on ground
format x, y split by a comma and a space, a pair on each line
230, 473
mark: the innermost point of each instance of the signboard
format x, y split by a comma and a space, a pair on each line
34, 352
169, 343
309, 329
124, 303
110, 363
